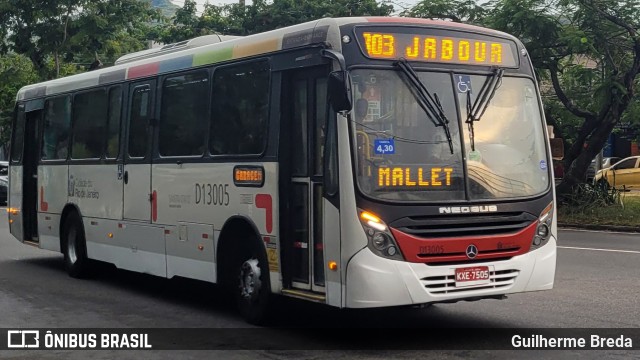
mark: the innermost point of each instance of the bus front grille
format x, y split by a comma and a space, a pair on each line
463, 225
441, 285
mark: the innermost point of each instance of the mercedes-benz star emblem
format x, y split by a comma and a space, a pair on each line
472, 251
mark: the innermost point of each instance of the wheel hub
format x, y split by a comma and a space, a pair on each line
250, 283
71, 246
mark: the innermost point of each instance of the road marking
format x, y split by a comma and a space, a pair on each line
594, 249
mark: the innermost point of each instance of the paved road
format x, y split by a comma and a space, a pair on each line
597, 285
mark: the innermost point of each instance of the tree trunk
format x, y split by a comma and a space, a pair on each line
576, 173
57, 59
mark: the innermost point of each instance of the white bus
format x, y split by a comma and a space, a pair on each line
355, 162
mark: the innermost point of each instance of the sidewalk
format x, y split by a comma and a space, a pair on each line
617, 228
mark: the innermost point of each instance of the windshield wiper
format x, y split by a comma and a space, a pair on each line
430, 104
477, 109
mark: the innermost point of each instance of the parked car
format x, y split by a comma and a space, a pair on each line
623, 174
606, 163
4, 168
4, 190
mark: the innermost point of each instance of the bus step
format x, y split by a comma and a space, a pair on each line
32, 243
307, 295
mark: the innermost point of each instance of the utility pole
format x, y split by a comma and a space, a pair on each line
242, 2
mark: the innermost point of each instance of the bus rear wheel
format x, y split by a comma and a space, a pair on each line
74, 247
253, 288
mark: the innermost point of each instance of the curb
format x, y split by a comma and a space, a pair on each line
618, 228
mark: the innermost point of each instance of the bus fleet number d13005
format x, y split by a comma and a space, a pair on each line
212, 194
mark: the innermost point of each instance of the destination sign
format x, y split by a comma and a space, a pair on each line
248, 176
439, 49
417, 177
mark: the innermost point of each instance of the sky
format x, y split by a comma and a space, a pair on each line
399, 3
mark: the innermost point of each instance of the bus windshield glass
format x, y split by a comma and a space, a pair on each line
403, 155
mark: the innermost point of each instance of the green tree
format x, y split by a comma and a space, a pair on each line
587, 50
65, 30
260, 16
16, 71
467, 11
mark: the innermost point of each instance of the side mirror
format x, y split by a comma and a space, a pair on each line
339, 91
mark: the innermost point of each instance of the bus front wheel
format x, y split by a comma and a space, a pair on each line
74, 247
253, 288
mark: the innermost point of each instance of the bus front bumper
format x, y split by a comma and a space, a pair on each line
373, 281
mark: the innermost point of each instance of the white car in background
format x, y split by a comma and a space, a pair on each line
4, 170
4, 182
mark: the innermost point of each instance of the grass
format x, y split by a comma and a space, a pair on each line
627, 213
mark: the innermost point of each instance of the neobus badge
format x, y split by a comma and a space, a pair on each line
248, 176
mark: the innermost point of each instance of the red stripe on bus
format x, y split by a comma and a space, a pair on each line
264, 201
143, 70
435, 250
154, 206
44, 206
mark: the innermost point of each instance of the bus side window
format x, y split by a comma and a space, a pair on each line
139, 122
18, 136
113, 123
183, 117
57, 119
240, 109
89, 124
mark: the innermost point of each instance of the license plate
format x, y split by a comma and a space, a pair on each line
471, 276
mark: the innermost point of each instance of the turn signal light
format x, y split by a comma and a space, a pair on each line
333, 266
373, 221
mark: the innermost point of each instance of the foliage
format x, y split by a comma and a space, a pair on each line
585, 52
623, 213
15, 72
467, 11
587, 196
260, 16
72, 29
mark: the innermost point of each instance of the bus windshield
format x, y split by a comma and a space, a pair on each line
402, 155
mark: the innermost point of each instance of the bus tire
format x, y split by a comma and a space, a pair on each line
74, 247
253, 289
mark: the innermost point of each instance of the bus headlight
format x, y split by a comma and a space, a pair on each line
543, 230
381, 241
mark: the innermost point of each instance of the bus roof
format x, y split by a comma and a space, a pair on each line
314, 32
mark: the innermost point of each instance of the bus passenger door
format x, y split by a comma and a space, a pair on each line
137, 158
30, 176
24, 187
301, 155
